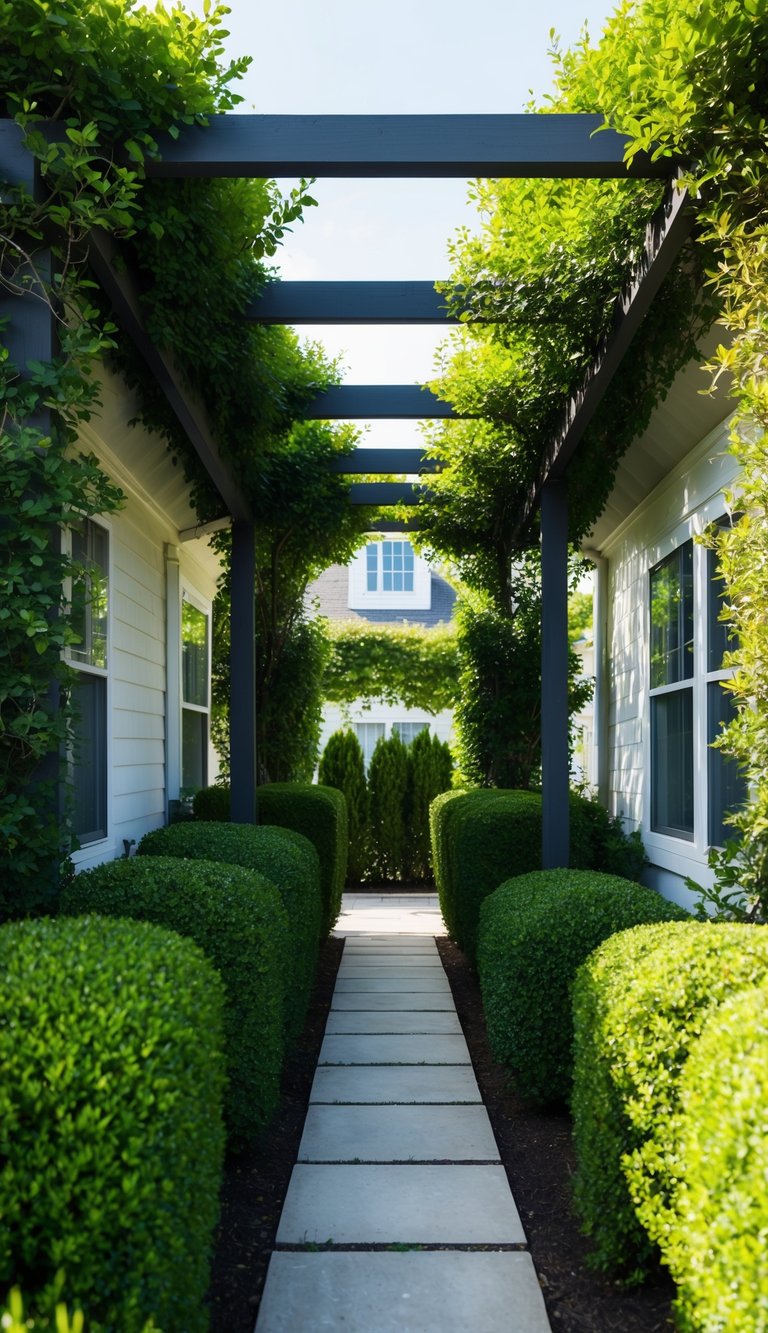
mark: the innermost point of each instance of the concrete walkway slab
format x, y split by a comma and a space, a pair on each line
397, 1134
387, 1049
371, 1021
411, 1292
406, 1002
409, 1205
400, 1084
392, 984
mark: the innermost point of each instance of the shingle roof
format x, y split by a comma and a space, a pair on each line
331, 593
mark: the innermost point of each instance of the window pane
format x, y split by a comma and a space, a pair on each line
368, 733
672, 763
727, 786
407, 731
90, 594
194, 655
194, 749
89, 766
672, 618
372, 567
719, 637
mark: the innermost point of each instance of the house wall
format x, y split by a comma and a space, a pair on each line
143, 691
682, 506
335, 717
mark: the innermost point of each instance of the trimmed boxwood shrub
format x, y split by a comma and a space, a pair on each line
237, 917
111, 1136
639, 1004
212, 803
289, 862
482, 837
535, 931
717, 1243
320, 813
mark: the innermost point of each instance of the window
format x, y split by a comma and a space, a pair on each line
672, 663
195, 695
408, 731
368, 733
389, 566
89, 655
690, 796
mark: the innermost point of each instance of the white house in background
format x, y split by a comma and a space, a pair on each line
143, 664
658, 641
386, 583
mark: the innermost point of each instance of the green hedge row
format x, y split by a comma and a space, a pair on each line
481, 838
237, 917
290, 863
111, 1135
317, 812
640, 1004
534, 933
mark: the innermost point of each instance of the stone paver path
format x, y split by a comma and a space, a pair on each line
398, 1177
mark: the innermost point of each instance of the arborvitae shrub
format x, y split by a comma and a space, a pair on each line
238, 919
535, 931
342, 766
431, 767
111, 1137
715, 1246
639, 1003
320, 814
290, 863
388, 793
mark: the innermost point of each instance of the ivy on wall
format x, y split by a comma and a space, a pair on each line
414, 665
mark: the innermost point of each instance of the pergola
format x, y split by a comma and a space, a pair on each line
529, 145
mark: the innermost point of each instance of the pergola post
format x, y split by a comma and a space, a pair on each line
555, 832
242, 679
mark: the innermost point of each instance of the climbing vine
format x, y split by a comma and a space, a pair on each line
411, 664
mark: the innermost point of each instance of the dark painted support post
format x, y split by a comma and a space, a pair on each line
554, 674
242, 677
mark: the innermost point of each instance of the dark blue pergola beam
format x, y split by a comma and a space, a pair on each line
385, 493
532, 145
376, 461
350, 303
377, 402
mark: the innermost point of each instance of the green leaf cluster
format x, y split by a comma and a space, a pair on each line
413, 665
111, 1135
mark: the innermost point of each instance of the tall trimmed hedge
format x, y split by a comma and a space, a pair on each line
320, 813
388, 774
534, 933
640, 1002
482, 837
342, 766
430, 773
238, 919
716, 1246
111, 1135
284, 858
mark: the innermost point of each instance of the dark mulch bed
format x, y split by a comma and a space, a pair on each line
535, 1149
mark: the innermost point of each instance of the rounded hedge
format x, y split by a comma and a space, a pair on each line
111, 1135
717, 1244
535, 931
237, 917
212, 803
320, 813
289, 862
639, 1003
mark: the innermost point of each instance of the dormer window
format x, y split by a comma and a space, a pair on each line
389, 575
389, 566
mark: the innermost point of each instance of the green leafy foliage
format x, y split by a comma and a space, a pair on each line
412, 665
639, 1003
289, 863
320, 814
342, 766
430, 772
715, 1246
388, 804
483, 837
111, 1129
534, 932
238, 919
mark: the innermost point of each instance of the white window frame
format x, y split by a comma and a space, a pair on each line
190, 595
360, 598
87, 849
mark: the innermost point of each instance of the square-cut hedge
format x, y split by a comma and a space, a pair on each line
320, 814
111, 1135
237, 917
535, 931
289, 861
481, 838
716, 1246
639, 1004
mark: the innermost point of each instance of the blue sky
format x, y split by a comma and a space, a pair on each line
347, 56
